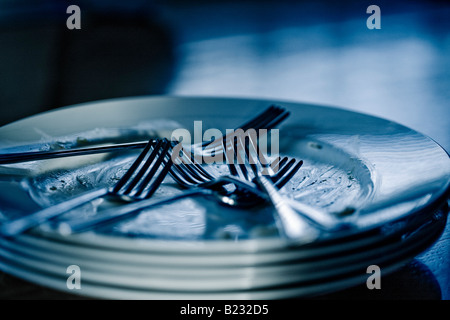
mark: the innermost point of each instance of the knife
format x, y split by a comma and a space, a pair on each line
16, 157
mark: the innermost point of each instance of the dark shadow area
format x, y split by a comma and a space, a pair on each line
113, 56
414, 281
121, 50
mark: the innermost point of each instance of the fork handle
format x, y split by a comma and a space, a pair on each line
14, 227
124, 212
293, 226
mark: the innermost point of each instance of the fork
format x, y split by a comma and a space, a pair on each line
268, 119
191, 175
188, 173
293, 226
317, 217
139, 182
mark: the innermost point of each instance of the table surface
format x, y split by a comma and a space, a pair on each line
317, 52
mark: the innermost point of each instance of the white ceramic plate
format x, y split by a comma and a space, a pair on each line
392, 175
299, 284
221, 278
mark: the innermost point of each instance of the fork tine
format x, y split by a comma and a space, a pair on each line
187, 169
256, 160
250, 124
268, 119
280, 183
283, 161
128, 187
201, 170
156, 159
282, 170
195, 168
259, 120
277, 120
167, 164
124, 179
179, 176
227, 148
190, 174
251, 159
187, 172
241, 158
263, 118
244, 156
278, 163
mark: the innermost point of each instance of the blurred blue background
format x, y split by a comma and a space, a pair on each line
309, 51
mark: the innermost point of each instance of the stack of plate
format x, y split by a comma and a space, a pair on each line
197, 249
254, 269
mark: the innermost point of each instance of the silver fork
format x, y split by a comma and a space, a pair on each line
190, 174
293, 226
267, 120
139, 182
199, 182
